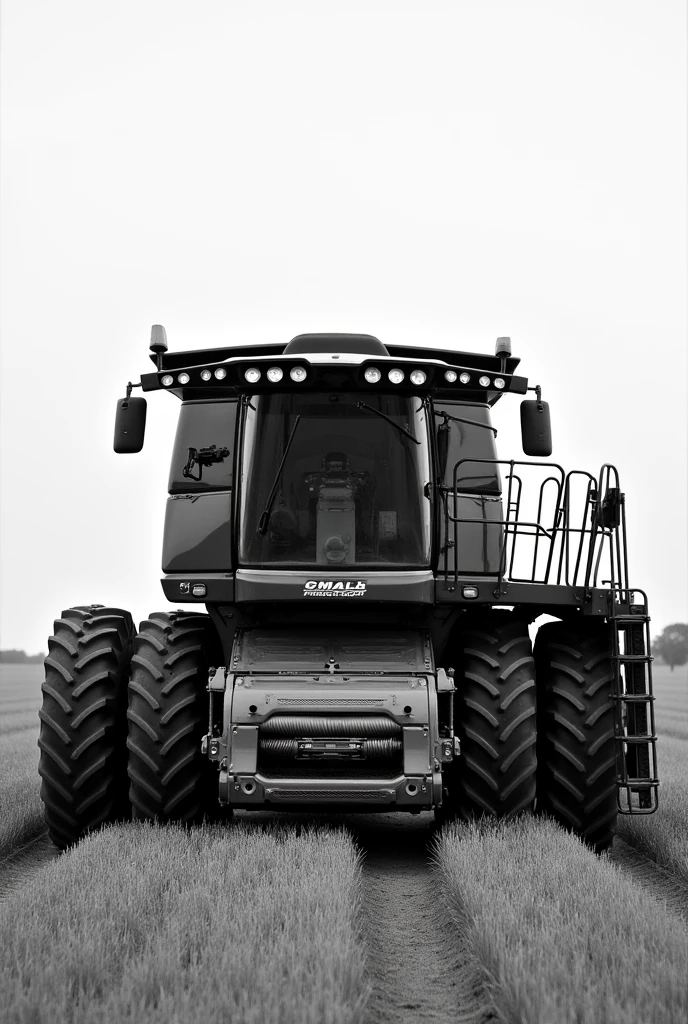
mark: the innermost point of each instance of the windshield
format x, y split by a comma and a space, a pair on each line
348, 492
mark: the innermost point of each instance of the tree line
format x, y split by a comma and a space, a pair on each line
15, 657
671, 646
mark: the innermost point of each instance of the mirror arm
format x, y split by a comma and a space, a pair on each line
538, 395
130, 386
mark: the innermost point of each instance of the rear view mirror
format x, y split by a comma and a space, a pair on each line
536, 429
130, 425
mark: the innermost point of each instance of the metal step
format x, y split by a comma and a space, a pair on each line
637, 782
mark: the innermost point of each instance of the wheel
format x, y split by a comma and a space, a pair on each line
576, 746
495, 720
170, 779
83, 731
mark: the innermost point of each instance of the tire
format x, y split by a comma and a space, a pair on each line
170, 779
83, 731
495, 720
576, 747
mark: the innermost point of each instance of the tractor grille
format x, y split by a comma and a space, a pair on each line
350, 796
333, 702
330, 746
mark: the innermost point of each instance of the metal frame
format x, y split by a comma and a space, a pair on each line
578, 564
586, 546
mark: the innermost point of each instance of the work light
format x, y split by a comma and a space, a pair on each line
417, 377
499, 382
396, 376
220, 373
183, 378
484, 381
297, 373
450, 376
206, 374
167, 380
252, 375
465, 378
275, 374
372, 375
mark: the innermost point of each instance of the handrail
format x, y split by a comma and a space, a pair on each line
599, 530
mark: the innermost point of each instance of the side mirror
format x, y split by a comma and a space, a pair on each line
130, 425
536, 429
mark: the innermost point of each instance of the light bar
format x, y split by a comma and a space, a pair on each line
384, 373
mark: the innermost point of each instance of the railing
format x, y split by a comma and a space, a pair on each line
575, 525
576, 537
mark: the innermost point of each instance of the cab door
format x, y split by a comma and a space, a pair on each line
198, 518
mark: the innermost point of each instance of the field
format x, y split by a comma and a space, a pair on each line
270, 919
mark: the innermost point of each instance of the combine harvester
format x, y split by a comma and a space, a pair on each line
369, 568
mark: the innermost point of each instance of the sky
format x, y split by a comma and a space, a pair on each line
437, 173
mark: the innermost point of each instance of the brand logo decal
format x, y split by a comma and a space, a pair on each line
334, 588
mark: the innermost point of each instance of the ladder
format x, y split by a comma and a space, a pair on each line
634, 719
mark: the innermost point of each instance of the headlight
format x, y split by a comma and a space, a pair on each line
206, 374
220, 373
252, 375
167, 380
275, 374
183, 378
418, 377
396, 376
297, 373
450, 376
484, 381
465, 378
372, 375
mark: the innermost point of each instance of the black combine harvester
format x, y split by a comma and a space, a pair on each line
369, 569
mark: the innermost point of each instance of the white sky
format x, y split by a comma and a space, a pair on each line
436, 172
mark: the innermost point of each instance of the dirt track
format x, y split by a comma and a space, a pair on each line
663, 885
18, 868
420, 972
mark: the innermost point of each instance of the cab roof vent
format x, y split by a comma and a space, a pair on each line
364, 344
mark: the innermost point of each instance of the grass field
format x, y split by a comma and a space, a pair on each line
231, 923
561, 934
21, 810
564, 935
664, 835
169, 917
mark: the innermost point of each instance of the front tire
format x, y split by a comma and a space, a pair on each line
576, 746
495, 720
170, 779
83, 731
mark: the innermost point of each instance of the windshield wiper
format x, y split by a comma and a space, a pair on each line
461, 419
397, 426
267, 511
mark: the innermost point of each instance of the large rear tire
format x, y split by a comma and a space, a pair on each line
83, 731
495, 720
170, 779
576, 746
